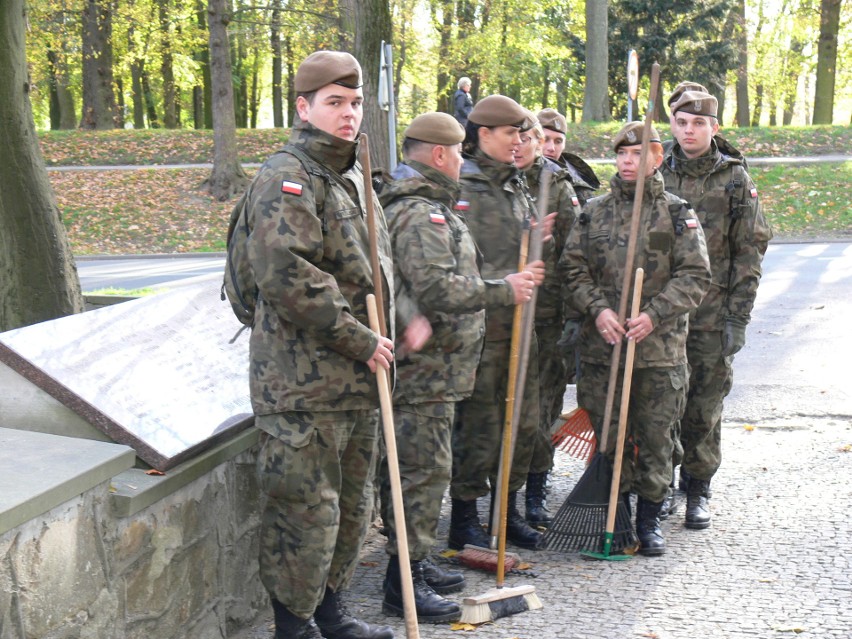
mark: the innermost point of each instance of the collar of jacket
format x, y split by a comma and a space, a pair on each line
623, 190
694, 167
329, 150
498, 172
424, 181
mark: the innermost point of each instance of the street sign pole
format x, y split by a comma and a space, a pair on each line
386, 100
632, 81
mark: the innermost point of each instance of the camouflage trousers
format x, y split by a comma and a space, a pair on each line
657, 397
553, 375
423, 434
315, 470
478, 429
710, 380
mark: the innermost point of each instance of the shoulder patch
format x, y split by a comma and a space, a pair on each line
753, 192
575, 200
462, 205
293, 188
436, 217
691, 223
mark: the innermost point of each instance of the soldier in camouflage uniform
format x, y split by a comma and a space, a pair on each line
436, 275
496, 206
312, 355
670, 248
583, 178
555, 369
723, 195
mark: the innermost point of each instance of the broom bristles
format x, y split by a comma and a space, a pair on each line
486, 558
498, 603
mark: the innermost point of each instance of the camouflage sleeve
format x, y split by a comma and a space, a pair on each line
286, 247
584, 295
750, 235
429, 267
690, 272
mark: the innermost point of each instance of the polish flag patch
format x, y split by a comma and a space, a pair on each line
753, 192
293, 188
462, 205
575, 201
691, 223
437, 218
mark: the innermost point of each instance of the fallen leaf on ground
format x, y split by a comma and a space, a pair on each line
154, 471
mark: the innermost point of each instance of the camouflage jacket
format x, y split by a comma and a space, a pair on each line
583, 177
670, 248
309, 249
725, 199
496, 205
436, 272
549, 307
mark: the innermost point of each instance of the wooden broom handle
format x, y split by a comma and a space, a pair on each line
378, 288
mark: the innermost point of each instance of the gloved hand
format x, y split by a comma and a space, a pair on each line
570, 333
733, 337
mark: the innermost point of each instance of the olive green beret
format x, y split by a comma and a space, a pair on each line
631, 135
685, 86
435, 128
553, 120
498, 110
531, 120
327, 67
696, 103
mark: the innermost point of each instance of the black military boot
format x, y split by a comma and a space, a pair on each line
289, 626
335, 622
465, 527
430, 606
518, 532
697, 504
669, 504
536, 495
683, 485
442, 581
648, 531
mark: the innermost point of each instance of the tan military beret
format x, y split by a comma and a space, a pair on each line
553, 120
696, 103
631, 135
530, 122
435, 128
327, 67
498, 110
685, 86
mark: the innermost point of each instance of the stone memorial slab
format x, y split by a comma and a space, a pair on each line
159, 374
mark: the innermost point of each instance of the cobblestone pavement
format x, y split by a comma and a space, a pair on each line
776, 561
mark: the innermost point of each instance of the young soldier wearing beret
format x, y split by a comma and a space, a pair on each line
725, 199
312, 355
583, 178
670, 248
436, 276
496, 206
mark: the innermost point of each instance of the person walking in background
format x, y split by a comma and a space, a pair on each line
437, 281
670, 248
725, 199
555, 364
309, 250
462, 102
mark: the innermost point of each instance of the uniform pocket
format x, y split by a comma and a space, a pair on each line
287, 468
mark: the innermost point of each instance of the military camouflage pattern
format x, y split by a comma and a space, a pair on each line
725, 200
670, 248
550, 313
311, 337
583, 177
436, 272
423, 433
478, 430
657, 397
710, 381
316, 477
497, 207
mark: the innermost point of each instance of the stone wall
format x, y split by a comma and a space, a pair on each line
184, 567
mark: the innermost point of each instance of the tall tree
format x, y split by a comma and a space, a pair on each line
227, 177
38, 279
98, 95
741, 37
596, 99
167, 37
277, 75
829, 26
62, 111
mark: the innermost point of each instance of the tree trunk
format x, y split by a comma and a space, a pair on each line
793, 64
62, 112
38, 278
446, 87
227, 177
372, 26
275, 44
166, 65
829, 25
291, 76
148, 95
254, 95
98, 96
741, 39
596, 98
203, 57
758, 105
